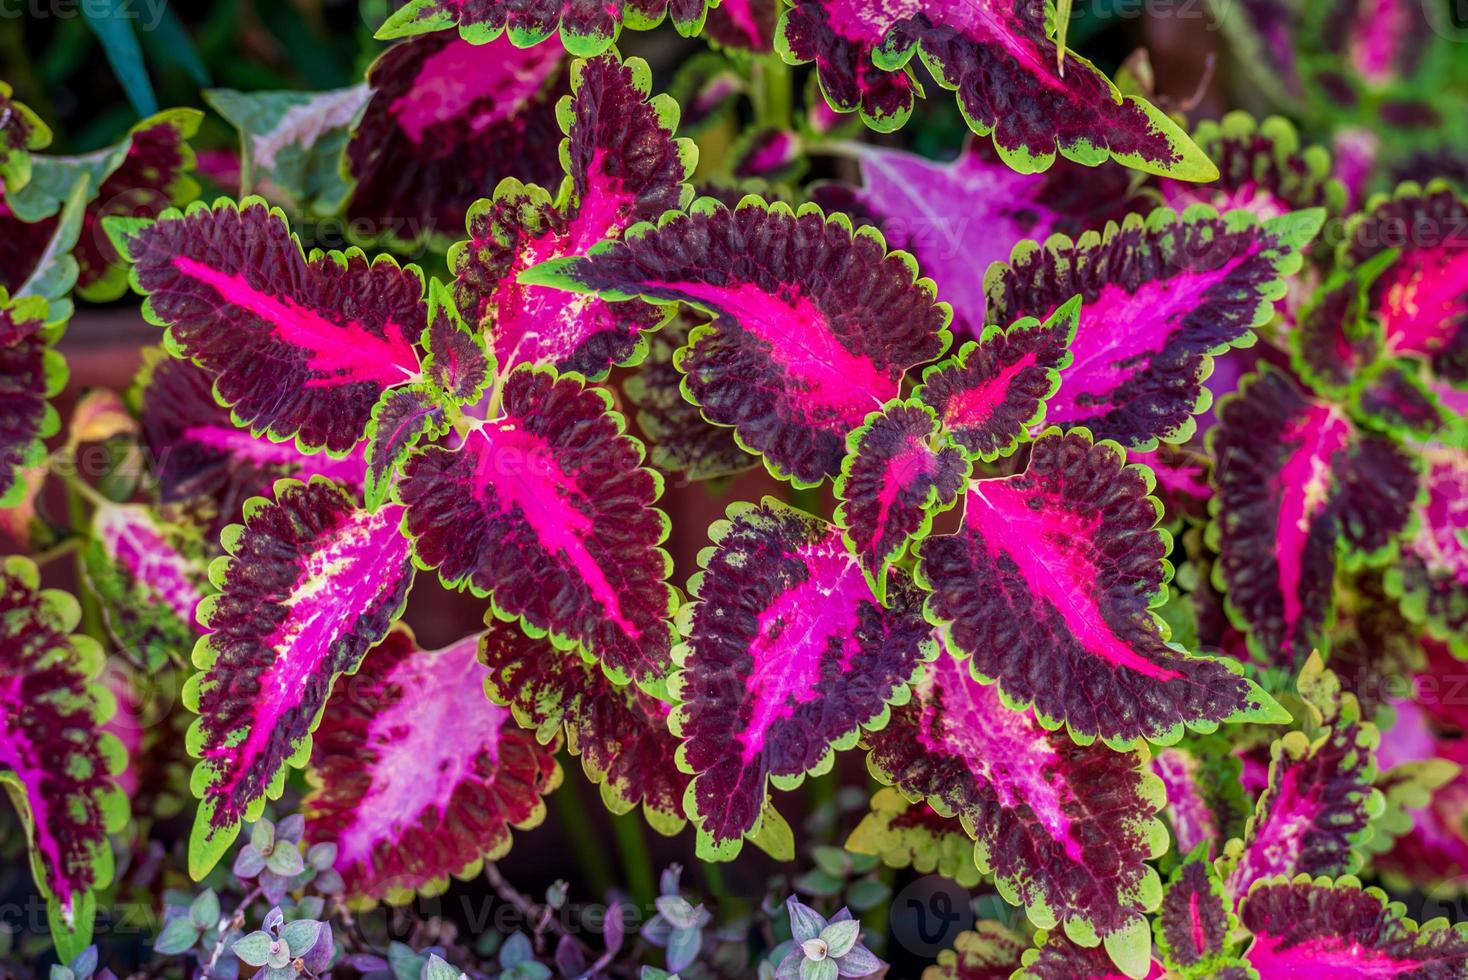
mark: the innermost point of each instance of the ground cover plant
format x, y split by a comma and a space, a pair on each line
879, 449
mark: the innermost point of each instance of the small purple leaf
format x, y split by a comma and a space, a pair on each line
990, 395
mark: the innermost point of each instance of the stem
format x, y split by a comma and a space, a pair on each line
713, 877
773, 92
571, 814
234, 921
636, 864
58, 551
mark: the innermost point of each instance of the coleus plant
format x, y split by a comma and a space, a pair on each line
1088, 525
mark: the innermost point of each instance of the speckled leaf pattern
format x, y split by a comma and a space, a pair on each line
905, 834
33, 373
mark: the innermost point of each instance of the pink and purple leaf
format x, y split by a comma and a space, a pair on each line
1160, 297
548, 510
1066, 829
623, 165
298, 347
56, 761
1049, 588
782, 668
1001, 59
309, 584
1299, 489
417, 776
814, 326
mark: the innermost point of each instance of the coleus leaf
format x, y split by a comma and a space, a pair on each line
584, 30
1262, 168
1049, 588
458, 363
620, 733
1419, 300
1305, 927
547, 510
1195, 919
747, 25
1334, 342
148, 586
814, 325
446, 122
1206, 804
39, 259
1299, 488
145, 173
989, 951
899, 473
681, 442
958, 217
57, 763
1065, 829
33, 373
402, 418
992, 392
21, 131
1056, 957
298, 347
1395, 397
905, 834
623, 166
417, 776
1317, 808
1182, 481
310, 582
1000, 58
1430, 575
291, 143
1160, 297
782, 669
196, 451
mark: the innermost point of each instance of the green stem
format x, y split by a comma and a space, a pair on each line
774, 98
571, 813
713, 877
636, 863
